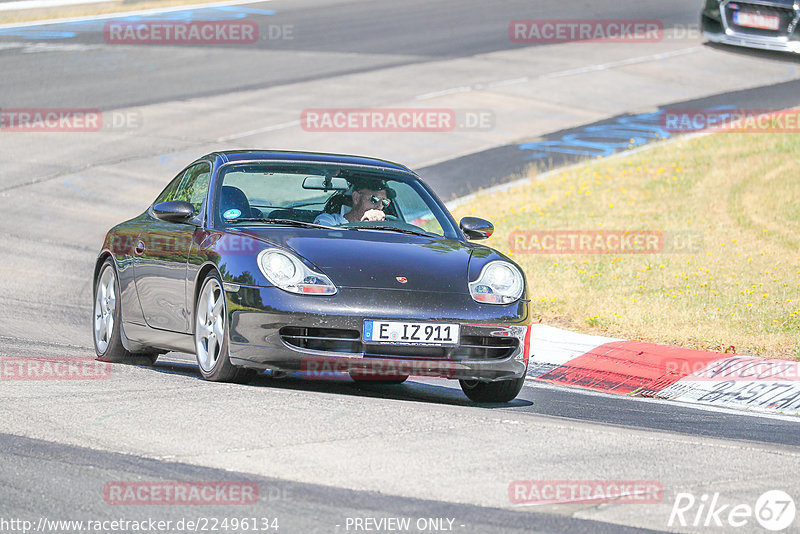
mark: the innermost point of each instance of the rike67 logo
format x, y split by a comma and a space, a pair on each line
774, 510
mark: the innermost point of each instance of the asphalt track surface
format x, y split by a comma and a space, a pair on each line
333, 448
383, 34
298, 507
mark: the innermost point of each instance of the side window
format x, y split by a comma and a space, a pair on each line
413, 209
169, 192
194, 186
191, 186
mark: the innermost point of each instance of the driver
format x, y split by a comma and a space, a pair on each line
370, 198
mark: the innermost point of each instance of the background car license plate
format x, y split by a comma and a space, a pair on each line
403, 332
754, 20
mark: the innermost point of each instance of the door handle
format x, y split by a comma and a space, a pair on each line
139, 248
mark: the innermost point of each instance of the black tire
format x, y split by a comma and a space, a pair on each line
108, 339
215, 365
372, 379
500, 391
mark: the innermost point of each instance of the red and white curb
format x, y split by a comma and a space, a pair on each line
648, 370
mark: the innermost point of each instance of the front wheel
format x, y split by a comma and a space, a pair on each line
211, 336
500, 391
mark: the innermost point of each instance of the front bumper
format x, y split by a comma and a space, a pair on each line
323, 335
718, 26
778, 44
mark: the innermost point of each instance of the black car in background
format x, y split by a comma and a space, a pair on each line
228, 263
766, 24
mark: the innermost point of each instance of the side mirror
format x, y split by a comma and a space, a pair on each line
174, 211
475, 228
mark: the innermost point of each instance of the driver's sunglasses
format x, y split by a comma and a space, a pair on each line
375, 199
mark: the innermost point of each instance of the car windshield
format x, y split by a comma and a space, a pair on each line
303, 194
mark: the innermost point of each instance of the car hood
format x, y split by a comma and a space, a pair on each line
378, 259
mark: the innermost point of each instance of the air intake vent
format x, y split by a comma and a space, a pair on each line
484, 348
326, 339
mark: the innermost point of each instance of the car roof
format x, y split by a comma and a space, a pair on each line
229, 156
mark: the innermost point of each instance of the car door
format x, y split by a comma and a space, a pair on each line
161, 253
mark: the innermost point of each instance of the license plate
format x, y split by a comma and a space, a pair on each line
417, 333
754, 20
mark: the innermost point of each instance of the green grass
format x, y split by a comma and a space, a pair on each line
737, 289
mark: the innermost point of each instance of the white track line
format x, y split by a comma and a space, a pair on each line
501, 83
444, 92
123, 14
23, 5
563, 73
621, 63
258, 131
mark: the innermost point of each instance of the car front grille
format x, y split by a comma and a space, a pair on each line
786, 15
349, 341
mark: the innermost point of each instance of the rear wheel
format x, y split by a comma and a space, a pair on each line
107, 321
211, 335
500, 391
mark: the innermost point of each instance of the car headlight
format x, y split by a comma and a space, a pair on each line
287, 272
499, 283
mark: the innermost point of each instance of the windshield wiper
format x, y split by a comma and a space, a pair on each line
396, 229
287, 222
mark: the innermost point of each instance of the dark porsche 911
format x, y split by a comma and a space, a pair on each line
766, 24
263, 260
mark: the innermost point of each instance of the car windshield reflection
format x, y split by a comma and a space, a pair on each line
327, 196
